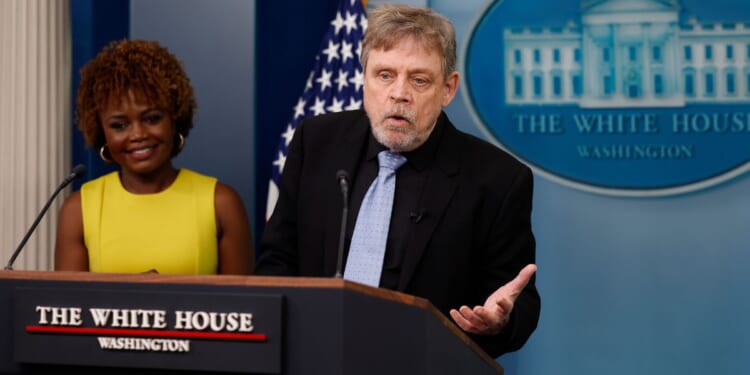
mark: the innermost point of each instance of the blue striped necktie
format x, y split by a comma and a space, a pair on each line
367, 250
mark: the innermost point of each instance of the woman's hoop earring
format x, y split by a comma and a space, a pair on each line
102, 150
182, 142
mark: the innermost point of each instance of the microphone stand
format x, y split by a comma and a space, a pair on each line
78, 171
343, 179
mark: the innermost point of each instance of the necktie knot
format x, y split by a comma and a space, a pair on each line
390, 161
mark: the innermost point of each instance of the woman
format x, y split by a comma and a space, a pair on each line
135, 104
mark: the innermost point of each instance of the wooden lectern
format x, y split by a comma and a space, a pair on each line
155, 324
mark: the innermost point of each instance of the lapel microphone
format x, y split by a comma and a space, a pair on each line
416, 217
77, 172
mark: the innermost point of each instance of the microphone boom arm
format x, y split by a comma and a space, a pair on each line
78, 171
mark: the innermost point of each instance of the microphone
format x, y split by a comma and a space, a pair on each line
416, 217
78, 171
342, 177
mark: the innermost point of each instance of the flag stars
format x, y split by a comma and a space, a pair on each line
318, 108
337, 23
324, 79
336, 106
299, 109
280, 161
288, 134
341, 79
358, 80
363, 23
346, 52
332, 52
308, 83
359, 48
351, 22
353, 104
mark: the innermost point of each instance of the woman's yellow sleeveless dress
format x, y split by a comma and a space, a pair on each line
172, 232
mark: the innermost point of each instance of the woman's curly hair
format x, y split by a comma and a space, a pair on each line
146, 68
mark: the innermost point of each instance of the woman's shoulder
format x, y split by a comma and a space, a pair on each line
192, 175
99, 181
71, 204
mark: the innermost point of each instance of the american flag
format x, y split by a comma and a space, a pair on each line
333, 85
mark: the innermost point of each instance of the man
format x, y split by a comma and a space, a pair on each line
459, 232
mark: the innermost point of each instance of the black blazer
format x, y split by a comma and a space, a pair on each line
476, 237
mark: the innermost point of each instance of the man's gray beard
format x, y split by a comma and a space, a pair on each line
408, 142
405, 143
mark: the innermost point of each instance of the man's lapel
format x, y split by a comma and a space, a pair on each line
441, 185
345, 158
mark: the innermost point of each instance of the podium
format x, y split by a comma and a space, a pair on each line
92, 323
